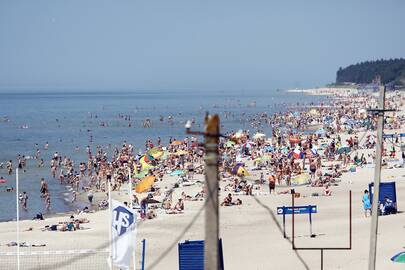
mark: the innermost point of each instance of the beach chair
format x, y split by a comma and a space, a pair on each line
191, 255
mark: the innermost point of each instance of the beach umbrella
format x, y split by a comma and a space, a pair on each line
229, 144
177, 142
177, 172
146, 166
300, 179
297, 153
400, 258
344, 149
146, 159
240, 170
155, 152
145, 184
259, 136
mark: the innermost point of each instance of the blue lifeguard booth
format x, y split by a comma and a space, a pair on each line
387, 189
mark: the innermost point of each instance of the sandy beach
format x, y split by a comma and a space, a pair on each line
251, 233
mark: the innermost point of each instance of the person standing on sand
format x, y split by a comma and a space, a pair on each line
272, 184
366, 203
90, 196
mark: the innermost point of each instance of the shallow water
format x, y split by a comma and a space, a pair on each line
68, 120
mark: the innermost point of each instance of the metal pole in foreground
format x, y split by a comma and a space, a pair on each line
377, 179
110, 223
18, 218
211, 254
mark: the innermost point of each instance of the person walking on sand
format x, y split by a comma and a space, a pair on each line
90, 196
366, 203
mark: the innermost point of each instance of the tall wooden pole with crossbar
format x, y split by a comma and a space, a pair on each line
211, 252
377, 180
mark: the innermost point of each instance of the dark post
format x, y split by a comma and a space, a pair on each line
211, 254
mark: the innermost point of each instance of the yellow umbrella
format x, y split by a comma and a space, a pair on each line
146, 166
145, 184
177, 143
155, 152
242, 171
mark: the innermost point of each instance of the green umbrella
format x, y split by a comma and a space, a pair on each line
400, 257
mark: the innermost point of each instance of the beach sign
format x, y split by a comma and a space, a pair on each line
289, 210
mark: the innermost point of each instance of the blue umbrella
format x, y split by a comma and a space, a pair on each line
400, 257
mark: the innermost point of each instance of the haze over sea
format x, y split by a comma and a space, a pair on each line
67, 120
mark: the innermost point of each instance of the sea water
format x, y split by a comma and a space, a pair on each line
71, 119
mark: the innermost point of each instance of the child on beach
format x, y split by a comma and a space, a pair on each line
366, 203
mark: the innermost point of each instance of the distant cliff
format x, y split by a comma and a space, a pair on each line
390, 71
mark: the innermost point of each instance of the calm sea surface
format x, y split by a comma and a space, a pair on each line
67, 120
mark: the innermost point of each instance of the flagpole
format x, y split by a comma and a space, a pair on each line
18, 220
131, 194
110, 222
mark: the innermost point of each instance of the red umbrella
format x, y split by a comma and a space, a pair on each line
3, 181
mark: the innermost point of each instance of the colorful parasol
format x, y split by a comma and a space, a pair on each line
145, 184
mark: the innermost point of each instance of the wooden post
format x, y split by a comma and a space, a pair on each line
377, 180
211, 252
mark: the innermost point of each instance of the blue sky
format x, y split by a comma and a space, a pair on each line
191, 45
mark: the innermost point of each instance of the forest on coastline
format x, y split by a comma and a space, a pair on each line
391, 71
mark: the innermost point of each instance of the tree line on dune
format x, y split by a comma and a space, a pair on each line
390, 71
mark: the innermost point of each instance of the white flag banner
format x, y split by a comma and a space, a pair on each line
123, 234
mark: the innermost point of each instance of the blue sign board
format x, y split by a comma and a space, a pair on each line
306, 209
288, 210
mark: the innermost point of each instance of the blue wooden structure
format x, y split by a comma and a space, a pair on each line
191, 255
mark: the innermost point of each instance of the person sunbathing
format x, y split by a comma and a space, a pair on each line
327, 191
227, 201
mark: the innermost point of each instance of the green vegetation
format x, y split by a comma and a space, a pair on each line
391, 71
